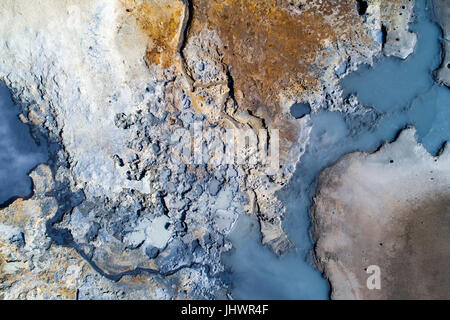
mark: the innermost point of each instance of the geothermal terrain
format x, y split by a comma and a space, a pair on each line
232, 149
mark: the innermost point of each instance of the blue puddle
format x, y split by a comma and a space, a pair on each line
19, 153
401, 93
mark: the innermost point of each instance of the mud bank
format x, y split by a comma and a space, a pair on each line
390, 209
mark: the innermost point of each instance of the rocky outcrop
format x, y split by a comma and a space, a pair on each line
242, 40
389, 209
442, 13
35, 266
122, 88
395, 18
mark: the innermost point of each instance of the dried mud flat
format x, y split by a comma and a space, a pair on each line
390, 209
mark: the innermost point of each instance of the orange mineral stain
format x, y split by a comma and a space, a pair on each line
161, 21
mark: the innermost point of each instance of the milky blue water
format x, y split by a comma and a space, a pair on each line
401, 93
299, 110
19, 153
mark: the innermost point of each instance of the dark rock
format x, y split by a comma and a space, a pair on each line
92, 232
214, 187
151, 252
299, 110
200, 66
118, 160
156, 148
178, 257
12, 235
197, 190
165, 174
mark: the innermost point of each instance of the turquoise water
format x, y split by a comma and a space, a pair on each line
401, 93
257, 273
19, 153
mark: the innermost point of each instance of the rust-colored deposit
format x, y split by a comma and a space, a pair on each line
271, 47
162, 22
274, 45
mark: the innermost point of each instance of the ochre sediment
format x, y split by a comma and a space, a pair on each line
161, 21
273, 46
